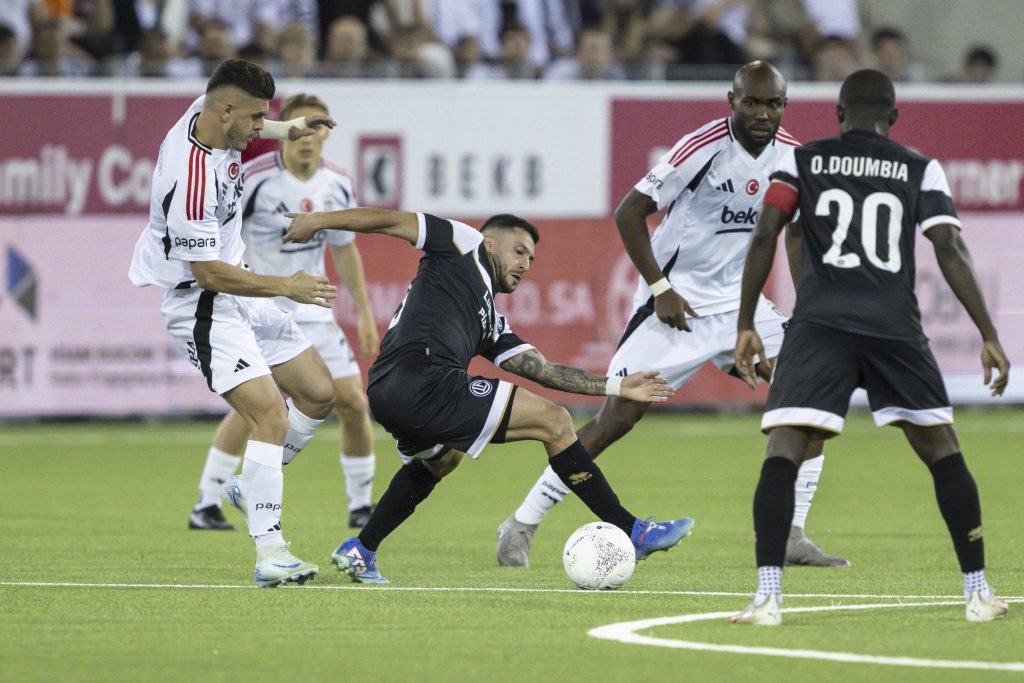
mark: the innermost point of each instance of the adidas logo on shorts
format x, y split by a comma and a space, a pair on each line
241, 365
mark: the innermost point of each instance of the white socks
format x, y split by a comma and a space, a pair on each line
769, 580
547, 492
358, 471
219, 467
806, 484
975, 581
263, 483
300, 431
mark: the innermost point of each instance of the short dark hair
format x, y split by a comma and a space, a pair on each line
981, 54
868, 89
887, 33
302, 101
251, 78
506, 221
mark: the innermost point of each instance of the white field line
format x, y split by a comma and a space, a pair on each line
475, 589
626, 632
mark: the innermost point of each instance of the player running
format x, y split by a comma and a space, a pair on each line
711, 183
857, 323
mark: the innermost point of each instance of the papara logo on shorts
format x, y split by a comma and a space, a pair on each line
480, 387
268, 506
195, 243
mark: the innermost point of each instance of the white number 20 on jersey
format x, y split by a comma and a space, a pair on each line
868, 228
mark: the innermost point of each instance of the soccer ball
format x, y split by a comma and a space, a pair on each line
599, 556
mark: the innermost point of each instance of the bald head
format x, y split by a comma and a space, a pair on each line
758, 99
759, 74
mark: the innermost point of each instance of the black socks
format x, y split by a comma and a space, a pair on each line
581, 475
957, 495
773, 510
409, 487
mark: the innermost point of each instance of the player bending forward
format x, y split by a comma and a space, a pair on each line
421, 393
857, 323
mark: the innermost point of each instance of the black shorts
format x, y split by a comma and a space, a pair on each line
819, 367
431, 408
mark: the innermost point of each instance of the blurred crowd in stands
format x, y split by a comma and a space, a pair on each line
467, 39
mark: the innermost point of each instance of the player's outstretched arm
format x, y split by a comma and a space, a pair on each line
631, 220
224, 277
958, 270
395, 223
349, 265
296, 128
646, 387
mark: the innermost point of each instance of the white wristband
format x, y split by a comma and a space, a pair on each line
660, 287
613, 387
278, 130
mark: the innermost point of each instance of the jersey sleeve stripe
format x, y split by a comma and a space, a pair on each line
690, 152
697, 140
259, 165
188, 188
785, 134
202, 194
940, 220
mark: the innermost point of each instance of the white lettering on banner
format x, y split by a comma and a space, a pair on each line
121, 178
985, 183
497, 177
54, 178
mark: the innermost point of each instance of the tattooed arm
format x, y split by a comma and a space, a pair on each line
640, 386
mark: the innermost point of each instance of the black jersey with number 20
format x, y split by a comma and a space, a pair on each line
861, 197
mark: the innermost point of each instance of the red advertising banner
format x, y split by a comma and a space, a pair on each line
978, 143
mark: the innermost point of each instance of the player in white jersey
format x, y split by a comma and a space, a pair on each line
711, 184
220, 312
298, 179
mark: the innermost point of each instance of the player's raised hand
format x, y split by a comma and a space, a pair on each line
302, 228
312, 121
646, 387
672, 310
310, 289
369, 338
749, 345
993, 357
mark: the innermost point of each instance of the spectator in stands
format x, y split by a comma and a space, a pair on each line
19, 16
156, 57
835, 19
9, 59
784, 33
891, 54
707, 32
215, 46
415, 55
347, 53
296, 48
53, 54
834, 59
626, 23
980, 65
255, 54
514, 62
332, 10
593, 60
246, 21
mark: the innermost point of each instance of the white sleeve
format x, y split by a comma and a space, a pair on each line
935, 201
677, 167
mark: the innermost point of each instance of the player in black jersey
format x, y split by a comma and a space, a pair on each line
856, 324
420, 391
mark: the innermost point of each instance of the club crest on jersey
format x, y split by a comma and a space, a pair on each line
233, 170
753, 186
480, 388
306, 205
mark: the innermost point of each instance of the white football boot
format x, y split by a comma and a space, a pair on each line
767, 613
276, 565
981, 609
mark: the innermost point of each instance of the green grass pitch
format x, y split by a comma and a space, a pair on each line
102, 581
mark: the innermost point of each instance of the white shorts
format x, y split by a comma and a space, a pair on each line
231, 339
330, 342
678, 355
